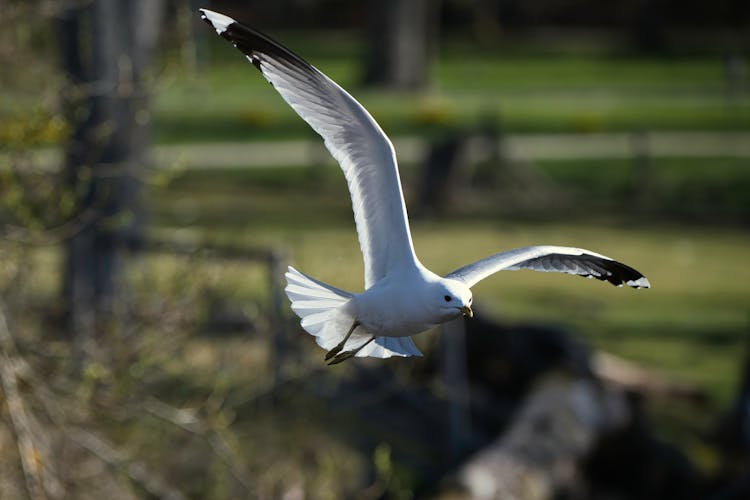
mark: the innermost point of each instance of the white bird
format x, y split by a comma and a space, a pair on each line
401, 297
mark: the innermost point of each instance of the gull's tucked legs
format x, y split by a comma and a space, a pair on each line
341, 344
347, 354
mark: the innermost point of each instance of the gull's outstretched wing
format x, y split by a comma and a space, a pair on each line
552, 259
351, 135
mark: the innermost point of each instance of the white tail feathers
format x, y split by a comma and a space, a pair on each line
328, 313
311, 297
322, 308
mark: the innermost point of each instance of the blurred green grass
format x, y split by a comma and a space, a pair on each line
692, 325
701, 189
228, 100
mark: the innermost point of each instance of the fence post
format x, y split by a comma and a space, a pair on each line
279, 344
456, 383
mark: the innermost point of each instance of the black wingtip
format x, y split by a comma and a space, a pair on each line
254, 44
620, 274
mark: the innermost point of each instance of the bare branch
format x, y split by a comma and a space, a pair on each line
33, 443
112, 456
188, 421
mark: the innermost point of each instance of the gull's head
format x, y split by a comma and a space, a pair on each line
452, 298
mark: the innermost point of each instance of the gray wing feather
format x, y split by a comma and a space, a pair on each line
552, 259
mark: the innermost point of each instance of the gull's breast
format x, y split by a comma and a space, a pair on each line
392, 312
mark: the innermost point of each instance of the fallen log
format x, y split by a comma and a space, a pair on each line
538, 457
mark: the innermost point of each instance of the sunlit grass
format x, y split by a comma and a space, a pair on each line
690, 325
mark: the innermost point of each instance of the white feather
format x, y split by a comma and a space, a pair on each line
549, 258
220, 22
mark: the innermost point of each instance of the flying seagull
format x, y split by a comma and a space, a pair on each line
401, 297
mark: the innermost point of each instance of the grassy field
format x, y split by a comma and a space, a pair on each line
707, 190
691, 325
529, 93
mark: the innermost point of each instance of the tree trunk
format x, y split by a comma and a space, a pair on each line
106, 46
648, 28
486, 25
399, 43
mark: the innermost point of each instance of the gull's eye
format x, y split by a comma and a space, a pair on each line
447, 298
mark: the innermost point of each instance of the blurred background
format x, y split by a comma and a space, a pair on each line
153, 188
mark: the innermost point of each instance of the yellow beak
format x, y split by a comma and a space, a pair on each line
466, 310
